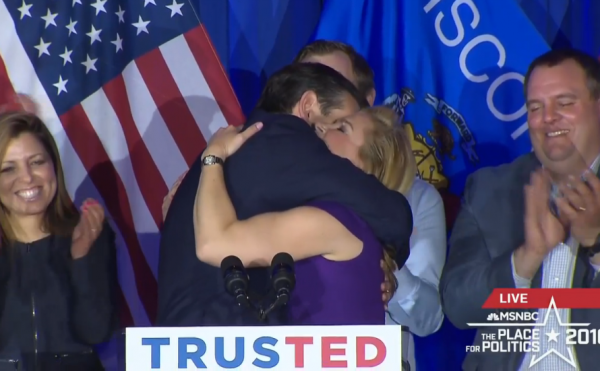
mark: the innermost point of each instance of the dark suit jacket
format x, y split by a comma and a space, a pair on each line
284, 166
488, 229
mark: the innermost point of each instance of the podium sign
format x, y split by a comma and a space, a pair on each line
256, 348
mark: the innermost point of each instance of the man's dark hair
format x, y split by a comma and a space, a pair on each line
589, 64
360, 67
286, 86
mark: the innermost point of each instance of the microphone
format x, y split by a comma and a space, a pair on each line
236, 279
283, 280
283, 276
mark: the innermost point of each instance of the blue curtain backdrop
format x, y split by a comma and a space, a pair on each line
454, 128
255, 38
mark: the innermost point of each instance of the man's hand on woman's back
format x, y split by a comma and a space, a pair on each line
169, 197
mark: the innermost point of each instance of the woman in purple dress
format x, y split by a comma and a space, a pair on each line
338, 272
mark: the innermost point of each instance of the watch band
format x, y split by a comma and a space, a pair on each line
209, 160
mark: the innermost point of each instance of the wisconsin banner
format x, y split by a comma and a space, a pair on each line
454, 72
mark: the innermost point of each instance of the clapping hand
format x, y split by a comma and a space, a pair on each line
543, 230
88, 229
580, 204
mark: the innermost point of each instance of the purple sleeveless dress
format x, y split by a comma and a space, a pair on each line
340, 292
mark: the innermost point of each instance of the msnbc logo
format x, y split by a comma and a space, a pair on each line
256, 348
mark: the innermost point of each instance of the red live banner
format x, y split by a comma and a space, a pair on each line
541, 298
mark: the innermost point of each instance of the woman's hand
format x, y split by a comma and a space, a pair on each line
169, 197
226, 141
88, 229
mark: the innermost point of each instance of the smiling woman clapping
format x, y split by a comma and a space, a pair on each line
57, 265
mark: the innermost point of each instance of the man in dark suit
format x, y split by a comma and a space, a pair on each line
507, 234
285, 166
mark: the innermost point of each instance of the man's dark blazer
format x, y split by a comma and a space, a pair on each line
284, 166
489, 227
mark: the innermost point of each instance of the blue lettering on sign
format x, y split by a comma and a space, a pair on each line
262, 351
220, 353
155, 344
183, 354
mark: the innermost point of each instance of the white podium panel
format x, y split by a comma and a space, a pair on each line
286, 348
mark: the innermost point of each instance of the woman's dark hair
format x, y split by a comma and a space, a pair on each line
61, 216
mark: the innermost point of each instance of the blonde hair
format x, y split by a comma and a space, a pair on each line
388, 155
61, 216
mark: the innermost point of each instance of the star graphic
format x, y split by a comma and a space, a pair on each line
24, 10
61, 85
570, 359
76, 2
49, 18
99, 6
120, 14
141, 25
90, 64
552, 335
175, 8
118, 43
71, 27
42, 47
146, 2
94, 35
66, 56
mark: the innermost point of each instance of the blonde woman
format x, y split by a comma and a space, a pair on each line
338, 271
416, 304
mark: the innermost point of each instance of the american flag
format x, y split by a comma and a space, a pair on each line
131, 90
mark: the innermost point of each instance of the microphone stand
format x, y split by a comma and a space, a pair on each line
280, 301
244, 301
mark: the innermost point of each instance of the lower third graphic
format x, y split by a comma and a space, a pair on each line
539, 333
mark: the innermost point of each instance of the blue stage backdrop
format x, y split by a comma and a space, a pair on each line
256, 38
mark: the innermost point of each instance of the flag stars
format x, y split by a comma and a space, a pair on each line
71, 27
147, 2
90, 64
61, 85
66, 56
99, 6
49, 18
141, 25
175, 8
77, 2
118, 43
120, 14
42, 47
24, 10
94, 35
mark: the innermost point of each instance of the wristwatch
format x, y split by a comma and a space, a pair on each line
212, 160
595, 248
